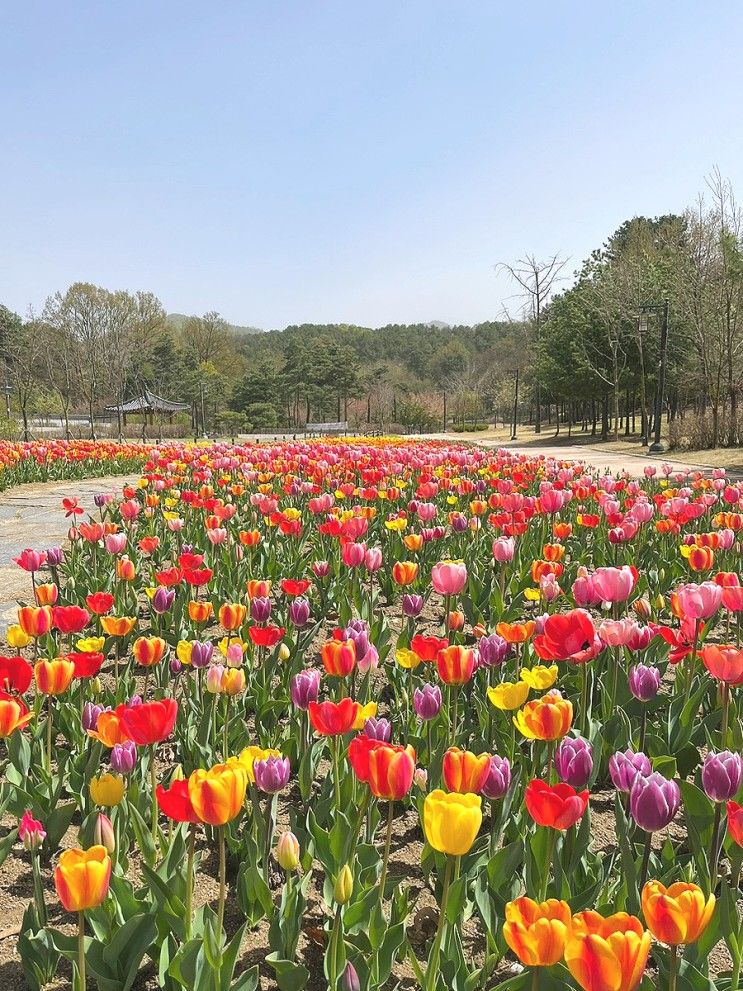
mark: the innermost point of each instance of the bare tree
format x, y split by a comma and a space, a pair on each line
22, 354
536, 280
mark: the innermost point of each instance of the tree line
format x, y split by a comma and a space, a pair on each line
585, 349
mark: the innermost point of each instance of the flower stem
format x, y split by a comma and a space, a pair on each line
645, 861
81, 950
190, 879
714, 851
49, 734
38, 889
386, 856
433, 964
336, 775
153, 796
673, 969
222, 886
547, 863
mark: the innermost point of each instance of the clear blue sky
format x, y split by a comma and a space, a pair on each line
345, 161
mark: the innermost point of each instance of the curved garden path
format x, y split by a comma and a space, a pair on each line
32, 516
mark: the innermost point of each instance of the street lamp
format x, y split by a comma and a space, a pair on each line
7, 389
657, 447
515, 405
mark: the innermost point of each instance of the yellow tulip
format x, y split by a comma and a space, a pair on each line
218, 795
509, 694
365, 712
407, 659
251, 754
540, 676
107, 789
452, 821
17, 638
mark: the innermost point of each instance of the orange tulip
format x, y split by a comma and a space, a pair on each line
232, 615
701, 558
200, 612
464, 771
404, 572
553, 552
607, 954
82, 877
455, 664
54, 676
149, 651
676, 915
35, 621
258, 587
46, 595
338, 657
537, 931
413, 541
724, 662
125, 570
14, 715
545, 718
516, 632
455, 620
109, 729
249, 538
217, 795
118, 626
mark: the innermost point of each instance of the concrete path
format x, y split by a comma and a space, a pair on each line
32, 516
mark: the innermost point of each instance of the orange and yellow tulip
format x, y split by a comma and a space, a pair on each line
516, 632
149, 651
546, 718
537, 931
14, 715
451, 821
53, 677
35, 621
218, 794
404, 572
455, 664
232, 615
676, 915
464, 771
199, 612
338, 657
607, 954
118, 626
81, 878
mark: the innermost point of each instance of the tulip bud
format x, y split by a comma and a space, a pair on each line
721, 776
103, 833
343, 888
350, 980
420, 778
31, 833
412, 605
498, 780
175, 666
644, 682
95, 687
284, 653
287, 851
177, 774
574, 761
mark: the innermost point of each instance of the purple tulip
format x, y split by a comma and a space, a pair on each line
412, 605
272, 774
644, 682
299, 612
493, 650
427, 701
358, 631
499, 778
459, 523
260, 609
163, 600
574, 761
626, 767
201, 654
102, 499
378, 729
721, 776
54, 556
305, 688
91, 712
133, 702
124, 757
175, 666
654, 801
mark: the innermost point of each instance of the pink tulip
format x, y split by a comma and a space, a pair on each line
504, 549
373, 559
699, 601
353, 554
115, 543
614, 584
449, 577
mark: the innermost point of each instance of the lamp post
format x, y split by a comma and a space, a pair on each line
657, 447
7, 389
515, 405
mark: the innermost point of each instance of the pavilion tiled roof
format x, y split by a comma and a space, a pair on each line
148, 402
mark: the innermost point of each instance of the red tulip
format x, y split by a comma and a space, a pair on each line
266, 636
150, 722
99, 602
569, 636
87, 665
558, 806
15, 674
333, 718
175, 802
70, 619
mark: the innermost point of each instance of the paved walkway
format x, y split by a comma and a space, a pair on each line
32, 516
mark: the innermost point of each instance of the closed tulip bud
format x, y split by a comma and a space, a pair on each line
124, 757
214, 679
163, 600
427, 701
574, 761
492, 650
299, 612
91, 712
654, 801
260, 609
284, 653
31, 832
625, 767
287, 851
343, 888
721, 776
644, 682
378, 729
95, 686
498, 780
420, 778
175, 666
201, 654
412, 605
103, 833
272, 774
350, 980
54, 556
305, 688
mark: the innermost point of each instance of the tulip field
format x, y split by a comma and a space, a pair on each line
55, 460
374, 714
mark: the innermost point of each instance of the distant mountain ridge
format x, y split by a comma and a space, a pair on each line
178, 319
